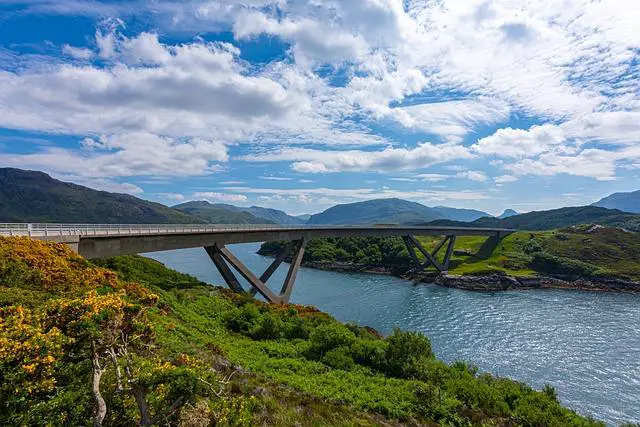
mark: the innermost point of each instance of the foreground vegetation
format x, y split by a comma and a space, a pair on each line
579, 251
128, 340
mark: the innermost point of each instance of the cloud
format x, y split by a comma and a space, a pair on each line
126, 155
220, 197
388, 160
504, 179
591, 145
275, 178
478, 176
331, 196
175, 197
77, 52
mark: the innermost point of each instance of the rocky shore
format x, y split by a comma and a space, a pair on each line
489, 282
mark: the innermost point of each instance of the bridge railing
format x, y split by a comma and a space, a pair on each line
45, 229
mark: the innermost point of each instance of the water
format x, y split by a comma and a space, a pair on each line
586, 344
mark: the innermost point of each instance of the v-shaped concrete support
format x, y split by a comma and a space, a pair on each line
222, 258
412, 243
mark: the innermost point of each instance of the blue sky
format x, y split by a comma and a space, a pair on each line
300, 105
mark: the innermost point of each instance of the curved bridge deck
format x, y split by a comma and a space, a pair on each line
105, 240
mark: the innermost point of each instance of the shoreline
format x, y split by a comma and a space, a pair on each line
486, 282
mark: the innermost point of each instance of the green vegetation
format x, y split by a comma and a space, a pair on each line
30, 196
164, 348
580, 251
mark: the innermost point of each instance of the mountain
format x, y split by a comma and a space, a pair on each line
466, 215
556, 218
393, 211
32, 196
271, 215
507, 213
220, 213
626, 202
303, 217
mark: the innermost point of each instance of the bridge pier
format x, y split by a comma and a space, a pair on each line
430, 257
223, 258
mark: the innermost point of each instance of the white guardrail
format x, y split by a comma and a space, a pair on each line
37, 229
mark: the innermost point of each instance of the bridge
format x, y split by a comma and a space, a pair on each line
106, 240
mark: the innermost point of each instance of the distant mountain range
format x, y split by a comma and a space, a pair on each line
556, 218
626, 202
272, 215
219, 213
395, 211
31, 196
507, 213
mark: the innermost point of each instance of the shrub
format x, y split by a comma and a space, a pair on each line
269, 327
243, 319
369, 353
296, 328
405, 353
532, 245
339, 358
560, 265
327, 337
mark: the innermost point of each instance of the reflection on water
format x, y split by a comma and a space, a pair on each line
586, 344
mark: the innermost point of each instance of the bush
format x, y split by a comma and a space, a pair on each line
269, 327
369, 353
243, 319
406, 352
548, 263
339, 358
532, 246
326, 337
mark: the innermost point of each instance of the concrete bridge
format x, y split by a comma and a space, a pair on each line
105, 240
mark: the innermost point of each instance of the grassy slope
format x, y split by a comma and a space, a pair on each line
612, 251
290, 386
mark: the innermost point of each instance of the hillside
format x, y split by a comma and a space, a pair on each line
129, 342
579, 251
31, 196
271, 215
626, 202
556, 218
393, 211
219, 214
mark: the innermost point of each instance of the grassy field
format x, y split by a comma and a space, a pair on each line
221, 358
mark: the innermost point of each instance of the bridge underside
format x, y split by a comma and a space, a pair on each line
226, 262
223, 259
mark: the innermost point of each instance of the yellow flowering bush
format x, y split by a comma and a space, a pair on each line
29, 352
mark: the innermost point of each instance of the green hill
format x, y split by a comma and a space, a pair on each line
395, 211
31, 196
626, 202
151, 346
219, 214
556, 218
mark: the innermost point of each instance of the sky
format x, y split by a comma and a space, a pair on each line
300, 105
